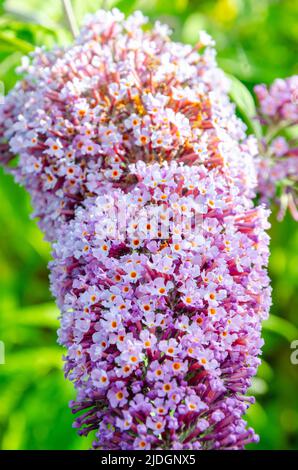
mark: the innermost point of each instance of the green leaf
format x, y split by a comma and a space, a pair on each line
265, 371
44, 315
257, 416
258, 387
37, 360
281, 327
12, 43
9, 63
292, 132
191, 27
244, 101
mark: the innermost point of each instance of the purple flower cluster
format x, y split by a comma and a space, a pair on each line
120, 94
163, 334
143, 177
278, 167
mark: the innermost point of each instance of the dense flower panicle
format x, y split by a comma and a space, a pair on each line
278, 167
163, 335
120, 136
120, 94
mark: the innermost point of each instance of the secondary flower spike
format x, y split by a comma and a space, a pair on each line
143, 177
278, 167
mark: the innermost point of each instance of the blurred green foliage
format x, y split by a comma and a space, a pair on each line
256, 42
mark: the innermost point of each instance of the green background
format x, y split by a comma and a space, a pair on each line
256, 42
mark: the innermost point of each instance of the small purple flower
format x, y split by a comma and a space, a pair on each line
117, 397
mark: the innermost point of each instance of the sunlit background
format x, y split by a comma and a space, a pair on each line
257, 42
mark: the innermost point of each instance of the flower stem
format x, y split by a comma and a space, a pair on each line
71, 19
